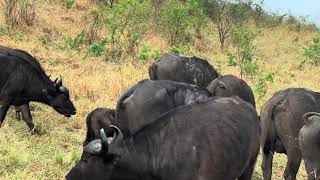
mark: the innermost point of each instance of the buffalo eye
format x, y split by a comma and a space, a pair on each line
221, 86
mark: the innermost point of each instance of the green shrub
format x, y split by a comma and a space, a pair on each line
312, 53
19, 36
74, 43
260, 86
43, 39
5, 30
181, 50
98, 48
244, 56
69, 3
146, 53
176, 22
128, 22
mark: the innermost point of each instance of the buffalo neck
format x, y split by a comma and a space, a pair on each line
37, 84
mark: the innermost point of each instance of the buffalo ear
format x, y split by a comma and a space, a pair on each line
94, 147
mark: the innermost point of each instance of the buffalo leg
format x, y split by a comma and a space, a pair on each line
266, 165
18, 113
294, 160
3, 112
309, 169
26, 115
247, 175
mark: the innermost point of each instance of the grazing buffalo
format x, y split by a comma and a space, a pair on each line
309, 137
217, 139
22, 81
229, 85
23, 111
96, 120
148, 100
280, 125
191, 70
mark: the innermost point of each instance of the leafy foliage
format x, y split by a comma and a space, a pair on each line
127, 21
244, 56
312, 53
260, 86
226, 15
98, 48
178, 19
74, 43
147, 53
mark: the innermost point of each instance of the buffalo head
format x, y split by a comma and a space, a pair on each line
229, 85
98, 160
57, 97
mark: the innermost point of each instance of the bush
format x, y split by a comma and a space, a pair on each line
128, 22
5, 30
178, 19
74, 43
69, 3
98, 48
312, 53
260, 86
244, 56
183, 50
146, 53
43, 39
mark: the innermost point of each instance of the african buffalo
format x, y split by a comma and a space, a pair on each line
191, 70
217, 139
148, 100
280, 125
23, 111
229, 85
96, 120
309, 144
22, 81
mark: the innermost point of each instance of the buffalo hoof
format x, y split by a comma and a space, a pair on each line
36, 131
19, 116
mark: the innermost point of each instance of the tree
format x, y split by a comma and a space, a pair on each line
226, 14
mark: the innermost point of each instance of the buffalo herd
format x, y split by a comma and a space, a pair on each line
186, 122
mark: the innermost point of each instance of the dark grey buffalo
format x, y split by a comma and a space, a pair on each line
280, 126
148, 100
217, 139
23, 111
309, 140
229, 85
98, 119
22, 81
191, 70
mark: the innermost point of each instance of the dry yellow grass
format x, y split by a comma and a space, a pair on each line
98, 82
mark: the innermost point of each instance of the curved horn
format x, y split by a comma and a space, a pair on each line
104, 141
58, 81
306, 116
118, 136
212, 86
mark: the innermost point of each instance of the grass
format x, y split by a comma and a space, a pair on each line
98, 82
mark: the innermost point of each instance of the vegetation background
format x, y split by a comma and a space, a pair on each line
102, 47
